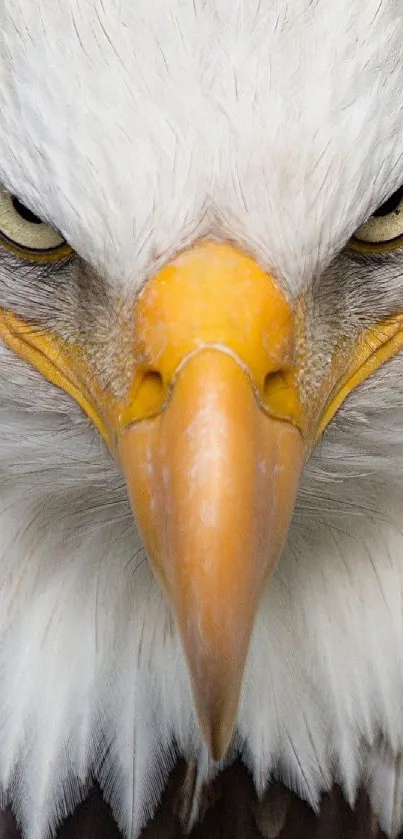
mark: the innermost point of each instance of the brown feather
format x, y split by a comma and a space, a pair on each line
230, 809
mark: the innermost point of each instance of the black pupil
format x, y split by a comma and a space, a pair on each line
23, 211
391, 204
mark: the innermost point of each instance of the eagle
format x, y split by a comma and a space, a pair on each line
201, 411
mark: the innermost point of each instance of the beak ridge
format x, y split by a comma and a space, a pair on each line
212, 481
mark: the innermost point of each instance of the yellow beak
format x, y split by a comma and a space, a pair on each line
211, 434
212, 482
211, 450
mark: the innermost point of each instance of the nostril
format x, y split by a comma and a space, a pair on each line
279, 393
153, 379
151, 393
274, 384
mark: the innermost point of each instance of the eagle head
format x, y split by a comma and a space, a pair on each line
201, 324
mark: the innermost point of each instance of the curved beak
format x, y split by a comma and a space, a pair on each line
212, 453
212, 482
211, 435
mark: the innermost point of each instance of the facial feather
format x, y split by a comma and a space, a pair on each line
135, 129
275, 127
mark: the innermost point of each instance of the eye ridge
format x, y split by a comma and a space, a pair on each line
24, 212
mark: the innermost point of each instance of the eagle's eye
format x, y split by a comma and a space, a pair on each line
22, 232
384, 229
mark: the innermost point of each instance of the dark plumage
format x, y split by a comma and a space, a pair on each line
231, 810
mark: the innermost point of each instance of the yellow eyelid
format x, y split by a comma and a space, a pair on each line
52, 255
373, 248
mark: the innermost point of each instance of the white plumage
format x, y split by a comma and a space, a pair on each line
135, 129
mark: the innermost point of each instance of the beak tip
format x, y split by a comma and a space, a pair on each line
217, 732
217, 748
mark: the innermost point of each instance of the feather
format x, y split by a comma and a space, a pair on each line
136, 129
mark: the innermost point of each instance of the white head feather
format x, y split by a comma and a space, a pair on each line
135, 128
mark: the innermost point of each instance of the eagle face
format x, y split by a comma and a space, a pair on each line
201, 292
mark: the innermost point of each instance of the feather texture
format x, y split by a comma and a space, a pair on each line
136, 128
